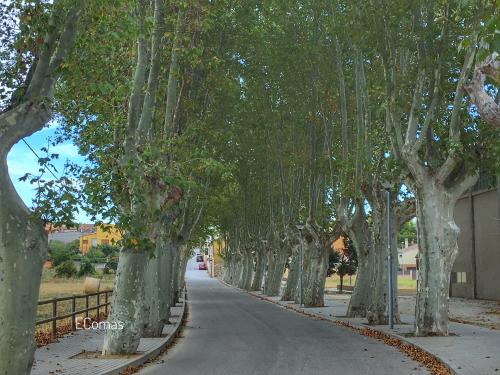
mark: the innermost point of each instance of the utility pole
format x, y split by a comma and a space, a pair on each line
300, 227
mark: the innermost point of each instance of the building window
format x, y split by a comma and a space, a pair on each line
459, 277
85, 242
94, 242
104, 242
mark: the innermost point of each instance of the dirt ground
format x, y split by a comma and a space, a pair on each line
478, 312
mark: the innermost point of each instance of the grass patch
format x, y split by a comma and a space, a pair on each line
404, 282
54, 287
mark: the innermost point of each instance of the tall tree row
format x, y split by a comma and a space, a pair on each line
276, 125
374, 102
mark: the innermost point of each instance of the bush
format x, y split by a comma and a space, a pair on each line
73, 247
66, 269
95, 255
58, 256
109, 250
86, 267
111, 264
56, 246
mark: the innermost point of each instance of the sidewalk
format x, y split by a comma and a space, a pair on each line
469, 350
56, 358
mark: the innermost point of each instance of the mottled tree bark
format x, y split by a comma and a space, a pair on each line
153, 319
260, 264
23, 241
316, 250
23, 248
249, 270
377, 310
127, 304
290, 292
184, 257
275, 267
359, 232
176, 265
488, 108
437, 235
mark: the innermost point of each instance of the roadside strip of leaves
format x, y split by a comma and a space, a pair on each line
44, 337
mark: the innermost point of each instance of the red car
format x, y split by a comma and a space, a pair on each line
202, 266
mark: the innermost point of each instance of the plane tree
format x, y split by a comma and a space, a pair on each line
436, 140
37, 41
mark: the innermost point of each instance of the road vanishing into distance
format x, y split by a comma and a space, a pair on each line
229, 332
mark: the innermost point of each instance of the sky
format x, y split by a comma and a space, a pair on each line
21, 160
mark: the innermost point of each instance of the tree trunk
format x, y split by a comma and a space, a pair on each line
359, 233
128, 303
182, 270
23, 241
437, 236
258, 275
166, 279
247, 282
291, 289
158, 288
275, 267
236, 274
341, 283
377, 309
23, 248
245, 269
176, 266
315, 268
153, 319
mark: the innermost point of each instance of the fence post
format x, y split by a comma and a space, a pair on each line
54, 318
106, 302
73, 316
98, 299
86, 305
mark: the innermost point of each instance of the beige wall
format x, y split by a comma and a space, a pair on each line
486, 235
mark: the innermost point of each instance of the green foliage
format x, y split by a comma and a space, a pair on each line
56, 246
261, 137
66, 269
86, 267
408, 231
74, 246
95, 254
58, 252
111, 265
344, 262
108, 250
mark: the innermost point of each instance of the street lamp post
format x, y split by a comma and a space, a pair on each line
390, 275
300, 227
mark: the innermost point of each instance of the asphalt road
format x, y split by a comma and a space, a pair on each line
230, 332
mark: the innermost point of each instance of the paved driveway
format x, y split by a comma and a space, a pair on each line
230, 332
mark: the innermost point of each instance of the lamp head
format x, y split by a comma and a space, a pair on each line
386, 185
300, 226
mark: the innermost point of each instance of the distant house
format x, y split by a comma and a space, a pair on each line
338, 245
102, 235
214, 259
67, 234
65, 237
407, 258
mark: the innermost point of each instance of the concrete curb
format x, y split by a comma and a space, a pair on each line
354, 325
153, 353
